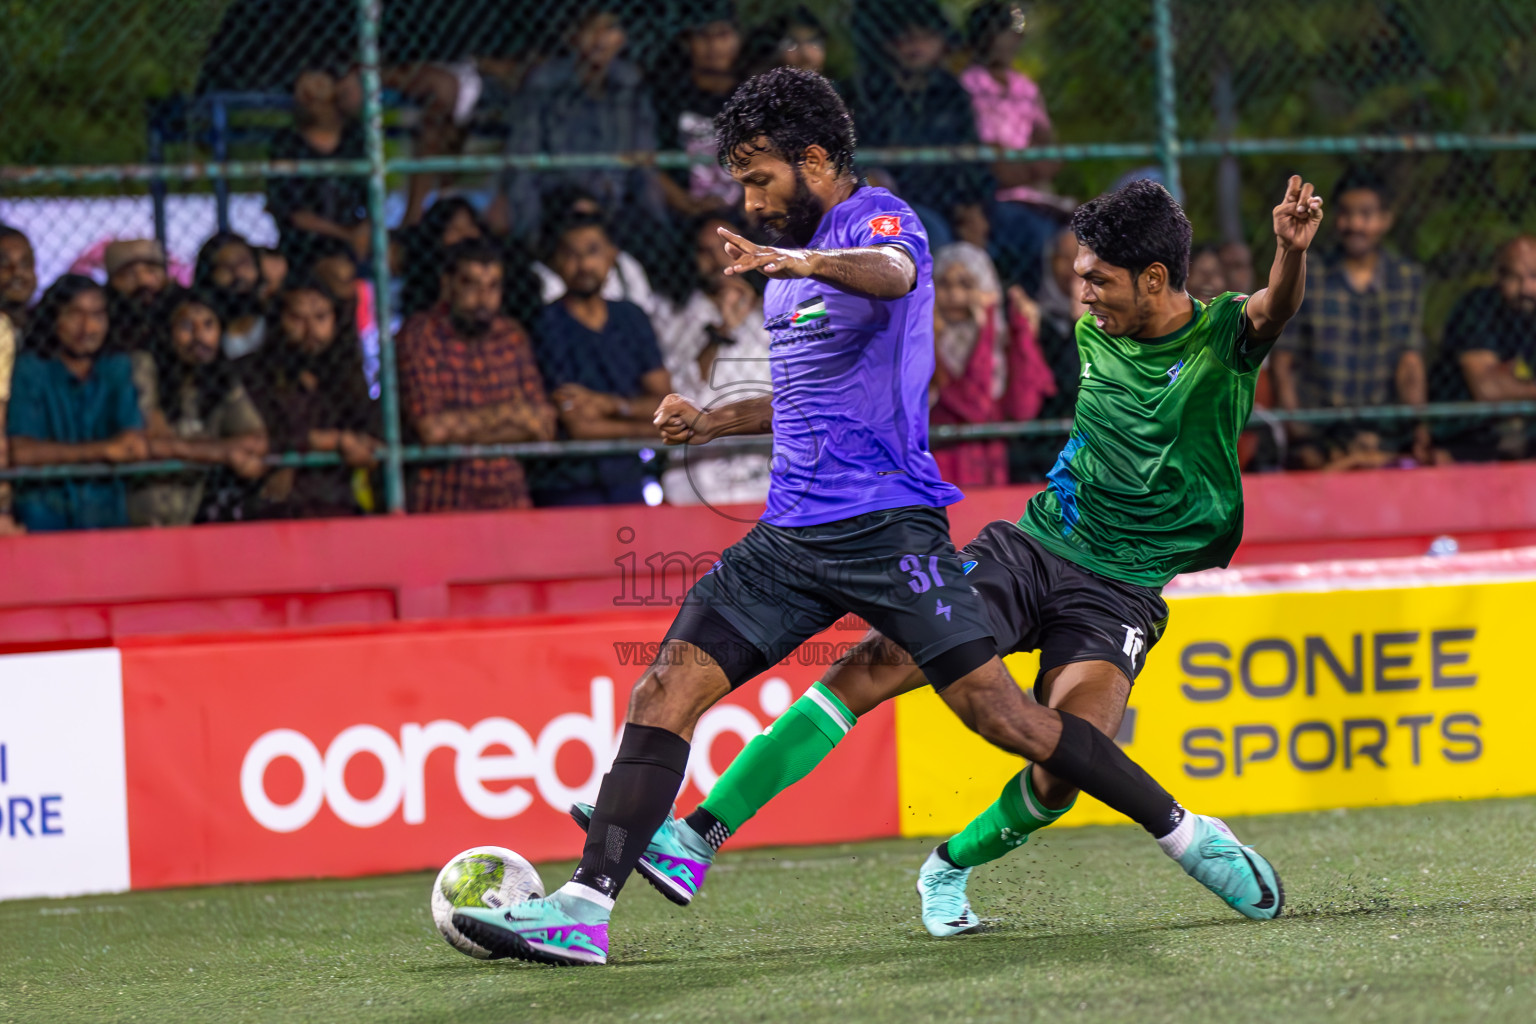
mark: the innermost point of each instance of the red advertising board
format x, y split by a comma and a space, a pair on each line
355, 752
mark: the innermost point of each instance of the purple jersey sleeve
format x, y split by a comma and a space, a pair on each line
897, 226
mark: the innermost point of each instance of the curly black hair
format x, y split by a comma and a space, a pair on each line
1363, 178
785, 111
471, 250
1135, 226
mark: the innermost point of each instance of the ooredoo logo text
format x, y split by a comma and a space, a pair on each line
495, 749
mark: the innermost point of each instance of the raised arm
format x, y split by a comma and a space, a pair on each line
1296, 221
881, 271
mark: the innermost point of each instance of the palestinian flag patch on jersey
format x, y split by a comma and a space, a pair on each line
809, 311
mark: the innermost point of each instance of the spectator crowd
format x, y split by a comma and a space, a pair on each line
565, 304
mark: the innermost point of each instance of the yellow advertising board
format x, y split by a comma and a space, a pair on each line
1288, 701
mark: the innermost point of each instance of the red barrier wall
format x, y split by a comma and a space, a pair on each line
87, 588
364, 750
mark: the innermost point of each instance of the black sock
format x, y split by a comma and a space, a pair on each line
635, 798
710, 827
943, 852
1090, 761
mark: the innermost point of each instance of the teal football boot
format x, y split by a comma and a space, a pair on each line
675, 860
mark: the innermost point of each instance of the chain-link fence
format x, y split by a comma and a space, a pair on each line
259, 208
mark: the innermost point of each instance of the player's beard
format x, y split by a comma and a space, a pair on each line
802, 216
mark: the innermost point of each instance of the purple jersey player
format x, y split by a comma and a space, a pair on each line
850, 378
855, 523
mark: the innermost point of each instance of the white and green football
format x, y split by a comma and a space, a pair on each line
485, 876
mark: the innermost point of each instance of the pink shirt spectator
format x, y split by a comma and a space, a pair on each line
1008, 117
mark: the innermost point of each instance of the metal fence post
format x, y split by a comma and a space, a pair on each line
373, 126
1167, 98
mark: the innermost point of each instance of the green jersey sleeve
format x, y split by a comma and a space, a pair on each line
1231, 337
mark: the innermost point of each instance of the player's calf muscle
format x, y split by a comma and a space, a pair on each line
674, 692
992, 706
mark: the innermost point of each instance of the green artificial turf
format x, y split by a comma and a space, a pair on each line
1397, 914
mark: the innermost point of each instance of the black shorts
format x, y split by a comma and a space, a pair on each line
780, 585
1039, 601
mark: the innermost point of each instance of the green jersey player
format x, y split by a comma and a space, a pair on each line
1147, 487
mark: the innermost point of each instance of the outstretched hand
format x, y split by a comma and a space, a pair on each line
1298, 215
771, 260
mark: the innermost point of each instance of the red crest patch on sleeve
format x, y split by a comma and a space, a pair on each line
887, 225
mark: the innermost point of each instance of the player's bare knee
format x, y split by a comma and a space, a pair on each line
876, 670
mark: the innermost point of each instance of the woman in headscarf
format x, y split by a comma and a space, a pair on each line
988, 366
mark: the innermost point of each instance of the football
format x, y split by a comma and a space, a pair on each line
485, 876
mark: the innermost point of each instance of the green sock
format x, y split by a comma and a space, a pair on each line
1005, 825
780, 757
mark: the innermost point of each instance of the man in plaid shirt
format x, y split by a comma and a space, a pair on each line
468, 376
1358, 339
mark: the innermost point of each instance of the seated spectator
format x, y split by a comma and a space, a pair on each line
332, 264
601, 366
1010, 114
797, 39
1061, 307
1207, 276
71, 402
715, 347
589, 100
687, 102
468, 376
1360, 448
1216, 269
18, 276
986, 370
626, 281
905, 97
1489, 355
304, 207
195, 409
309, 388
273, 266
137, 280
1237, 266
1358, 339
448, 222
7, 363
229, 269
